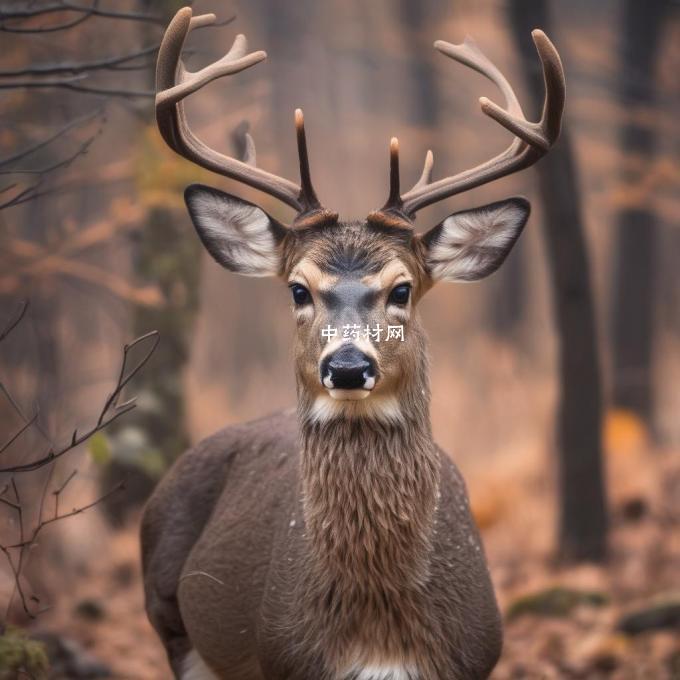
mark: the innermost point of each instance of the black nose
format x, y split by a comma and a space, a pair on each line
347, 369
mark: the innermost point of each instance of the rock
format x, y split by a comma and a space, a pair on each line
124, 574
601, 652
69, 661
673, 665
663, 612
90, 609
633, 509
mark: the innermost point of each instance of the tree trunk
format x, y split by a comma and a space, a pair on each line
583, 513
634, 284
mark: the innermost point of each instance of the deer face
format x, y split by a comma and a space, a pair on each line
355, 286
354, 290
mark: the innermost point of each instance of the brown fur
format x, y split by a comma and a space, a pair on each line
299, 547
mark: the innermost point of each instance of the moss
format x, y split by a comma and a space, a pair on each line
19, 654
555, 602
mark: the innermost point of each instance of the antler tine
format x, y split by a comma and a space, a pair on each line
555, 86
244, 143
312, 214
532, 140
394, 199
426, 174
307, 194
174, 83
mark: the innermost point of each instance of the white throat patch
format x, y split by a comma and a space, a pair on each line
385, 409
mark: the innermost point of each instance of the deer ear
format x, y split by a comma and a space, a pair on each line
472, 244
239, 235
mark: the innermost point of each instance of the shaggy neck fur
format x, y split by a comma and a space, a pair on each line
370, 491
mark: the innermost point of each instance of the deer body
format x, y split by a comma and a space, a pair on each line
336, 542
260, 598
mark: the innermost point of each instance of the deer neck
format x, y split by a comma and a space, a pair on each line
370, 491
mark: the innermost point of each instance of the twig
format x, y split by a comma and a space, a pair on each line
23, 545
69, 84
19, 432
31, 192
77, 68
64, 163
57, 493
56, 518
55, 27
110, 412
45, 142
13, 323
28, 13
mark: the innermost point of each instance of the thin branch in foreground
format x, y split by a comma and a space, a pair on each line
110, 412
20, 155
64, 163
76, 68
57, 492
19, 432
32, 192
69, 84
14, 322
54, 27
56, 518
24, 544
28, 12
27, 194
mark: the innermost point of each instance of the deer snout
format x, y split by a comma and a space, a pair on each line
348, 368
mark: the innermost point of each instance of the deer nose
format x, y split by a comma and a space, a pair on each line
348, 368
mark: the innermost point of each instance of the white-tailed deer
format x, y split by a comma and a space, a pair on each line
336, 543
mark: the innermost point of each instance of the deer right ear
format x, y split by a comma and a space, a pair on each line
239, 235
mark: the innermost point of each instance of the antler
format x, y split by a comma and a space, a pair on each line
532, 140
174, 83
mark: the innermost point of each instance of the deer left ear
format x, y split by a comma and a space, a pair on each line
472, 244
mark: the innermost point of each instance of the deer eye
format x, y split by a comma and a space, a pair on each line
301, 295
400, 294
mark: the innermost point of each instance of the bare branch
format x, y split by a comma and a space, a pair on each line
64, 163
110, 411
56, 518
18, 434
41, 70
17, 581
28, 12
70, 84
57, 492
24, 544
56, 135
13, 323
54, 27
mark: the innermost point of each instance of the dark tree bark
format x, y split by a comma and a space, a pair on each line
634, 283
424, 97
583, 513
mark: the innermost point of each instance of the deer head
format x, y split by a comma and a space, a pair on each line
357, 278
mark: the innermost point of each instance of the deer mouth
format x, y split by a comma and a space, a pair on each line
349, 395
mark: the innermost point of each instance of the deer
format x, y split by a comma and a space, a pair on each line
334, 541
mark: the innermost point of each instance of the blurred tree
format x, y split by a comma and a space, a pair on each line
583, 512
634, 281
423, 101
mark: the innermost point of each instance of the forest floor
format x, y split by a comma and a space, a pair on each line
560, 621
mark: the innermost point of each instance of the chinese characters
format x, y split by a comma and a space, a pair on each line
354, 332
